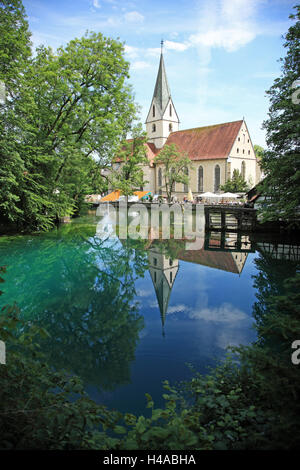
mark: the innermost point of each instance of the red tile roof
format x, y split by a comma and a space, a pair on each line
222, 260
213, 259
206, 143
151, 152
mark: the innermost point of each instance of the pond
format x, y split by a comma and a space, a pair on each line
124, 315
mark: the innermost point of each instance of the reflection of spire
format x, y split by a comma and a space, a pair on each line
163, 271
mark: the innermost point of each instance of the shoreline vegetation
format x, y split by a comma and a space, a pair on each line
249, 401
62, 121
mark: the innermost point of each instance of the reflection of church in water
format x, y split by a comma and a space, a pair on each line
224, 251
163, 271
163, 268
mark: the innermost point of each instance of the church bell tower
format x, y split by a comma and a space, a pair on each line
162, 117
163, 271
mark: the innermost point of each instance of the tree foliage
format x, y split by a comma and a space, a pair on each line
14, 44
281, 162
131, 157
259, 151
72, 109
174, 166
236, 183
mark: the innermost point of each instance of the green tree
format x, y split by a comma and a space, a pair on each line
236, 183
15, 44
15, 53
73, 108
174, 166
131, 157
281, 162
259, 151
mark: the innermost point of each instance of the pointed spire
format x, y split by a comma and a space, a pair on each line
163, 292
163, 271
162, 91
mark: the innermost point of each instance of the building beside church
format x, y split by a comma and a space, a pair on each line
215, 151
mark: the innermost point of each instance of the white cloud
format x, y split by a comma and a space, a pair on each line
153, 51
229, 39
228, 24
134, 17
96, 4
176, 46
173, 35
139, 65
132, 52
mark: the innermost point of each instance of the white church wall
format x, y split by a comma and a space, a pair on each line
243, 151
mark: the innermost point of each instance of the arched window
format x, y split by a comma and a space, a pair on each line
186, 186
200, 179
237, 150
153, 127
170, 110
159, 177
217, 178
170, 127
171, 277
243, 170
153, 111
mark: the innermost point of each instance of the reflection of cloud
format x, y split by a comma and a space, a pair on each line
178, 308
143, 293
143, 333
225, 313
232, 337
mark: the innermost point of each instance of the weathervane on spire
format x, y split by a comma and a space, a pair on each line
161, 45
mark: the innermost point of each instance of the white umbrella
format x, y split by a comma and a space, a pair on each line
133, 198
208, 194
228, 195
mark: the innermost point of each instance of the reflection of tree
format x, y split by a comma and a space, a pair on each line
170, 248
81, 290
269, 282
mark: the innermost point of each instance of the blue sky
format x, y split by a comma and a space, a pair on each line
220, 55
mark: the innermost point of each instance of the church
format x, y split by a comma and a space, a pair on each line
163, 268
215, 151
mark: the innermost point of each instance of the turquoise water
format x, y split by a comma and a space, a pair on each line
125, 315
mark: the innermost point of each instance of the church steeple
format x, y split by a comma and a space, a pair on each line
162, 117
162, 92
163, 272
